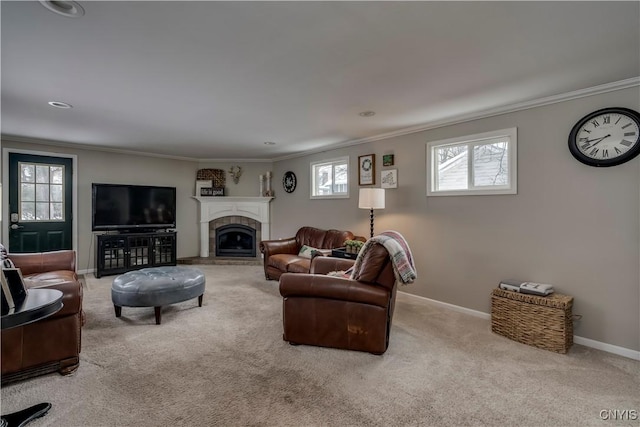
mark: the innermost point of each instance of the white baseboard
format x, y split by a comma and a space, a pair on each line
89, 270
609, 348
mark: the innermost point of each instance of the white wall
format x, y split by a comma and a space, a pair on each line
570, 225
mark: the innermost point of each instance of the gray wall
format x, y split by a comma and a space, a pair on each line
570, 225
574, 226
116, 168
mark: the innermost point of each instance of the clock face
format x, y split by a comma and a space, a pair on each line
289, 182
606, 137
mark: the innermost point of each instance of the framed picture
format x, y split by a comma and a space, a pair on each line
387, 160
200, 184
367, 169
389, 178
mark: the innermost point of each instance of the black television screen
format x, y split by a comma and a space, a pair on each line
132, 207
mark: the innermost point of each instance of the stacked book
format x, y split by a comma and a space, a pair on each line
532, 288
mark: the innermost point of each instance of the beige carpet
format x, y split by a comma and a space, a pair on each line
226, 364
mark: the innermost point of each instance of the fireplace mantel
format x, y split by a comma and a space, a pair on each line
212, 208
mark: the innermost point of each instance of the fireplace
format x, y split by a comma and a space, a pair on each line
216, 212
235, 240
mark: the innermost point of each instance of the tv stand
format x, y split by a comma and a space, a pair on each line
119, 253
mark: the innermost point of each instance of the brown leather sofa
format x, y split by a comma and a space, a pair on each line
340, 312
51, 344
281, 256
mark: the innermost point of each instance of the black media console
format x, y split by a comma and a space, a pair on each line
119, 253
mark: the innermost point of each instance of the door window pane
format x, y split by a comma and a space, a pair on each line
42, 192
27, 211
28, 192
42, 211
56, 211
56, 174
42, 173
27, 173
56, 193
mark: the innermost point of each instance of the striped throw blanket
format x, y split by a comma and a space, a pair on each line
398, 249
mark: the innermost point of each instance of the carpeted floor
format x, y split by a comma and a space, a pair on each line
226, 364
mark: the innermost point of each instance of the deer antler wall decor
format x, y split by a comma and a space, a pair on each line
236, 173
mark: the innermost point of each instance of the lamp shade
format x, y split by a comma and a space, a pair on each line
371, 198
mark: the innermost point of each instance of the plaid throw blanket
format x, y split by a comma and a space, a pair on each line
398, 249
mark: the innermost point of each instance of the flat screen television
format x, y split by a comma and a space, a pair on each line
132, 207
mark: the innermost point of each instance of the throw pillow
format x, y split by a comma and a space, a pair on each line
306, 251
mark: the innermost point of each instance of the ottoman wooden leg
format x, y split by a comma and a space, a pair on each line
200, 300
118, 310
158, 314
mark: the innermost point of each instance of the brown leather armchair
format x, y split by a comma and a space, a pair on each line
51, 344
340, 312
281, 256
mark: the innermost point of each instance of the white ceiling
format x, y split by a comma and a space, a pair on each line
215, 80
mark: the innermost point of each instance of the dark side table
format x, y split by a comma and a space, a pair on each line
40, 303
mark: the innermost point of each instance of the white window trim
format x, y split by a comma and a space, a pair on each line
512, 188
343, 159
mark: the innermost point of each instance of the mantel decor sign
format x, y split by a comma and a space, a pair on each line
213, 191
367, 169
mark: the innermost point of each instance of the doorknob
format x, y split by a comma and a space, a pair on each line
16, 226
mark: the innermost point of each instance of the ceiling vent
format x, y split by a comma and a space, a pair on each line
70, 9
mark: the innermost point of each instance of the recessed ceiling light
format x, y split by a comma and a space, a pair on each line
367, 113
269, 143
69, 8
59, 104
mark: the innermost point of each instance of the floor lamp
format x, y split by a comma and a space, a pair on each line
371, 198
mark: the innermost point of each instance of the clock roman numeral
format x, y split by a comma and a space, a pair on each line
595, 123
617, 151
626, 143
629, 133
584, 139
593, 152
585, 146
606, 120
605, 153
585, 130
619, 118
626, 126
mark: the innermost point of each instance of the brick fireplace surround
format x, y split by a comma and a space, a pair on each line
216, 212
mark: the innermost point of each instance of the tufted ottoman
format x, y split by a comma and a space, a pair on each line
155, 287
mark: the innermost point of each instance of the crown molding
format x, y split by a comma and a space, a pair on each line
554, 99
54, 143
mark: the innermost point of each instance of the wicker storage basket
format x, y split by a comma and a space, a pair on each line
544, 322
217, 176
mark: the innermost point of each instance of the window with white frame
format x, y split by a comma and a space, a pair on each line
330, 178
479, 164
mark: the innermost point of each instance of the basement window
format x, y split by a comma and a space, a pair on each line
330, 178
481, 164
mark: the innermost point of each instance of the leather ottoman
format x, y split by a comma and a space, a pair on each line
157, 287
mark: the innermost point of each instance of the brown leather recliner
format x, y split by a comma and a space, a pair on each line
51, 344
339, 312
281, 256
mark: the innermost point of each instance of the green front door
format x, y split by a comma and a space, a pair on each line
40, 209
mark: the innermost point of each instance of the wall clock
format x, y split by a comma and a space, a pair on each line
606, 137
289, 182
